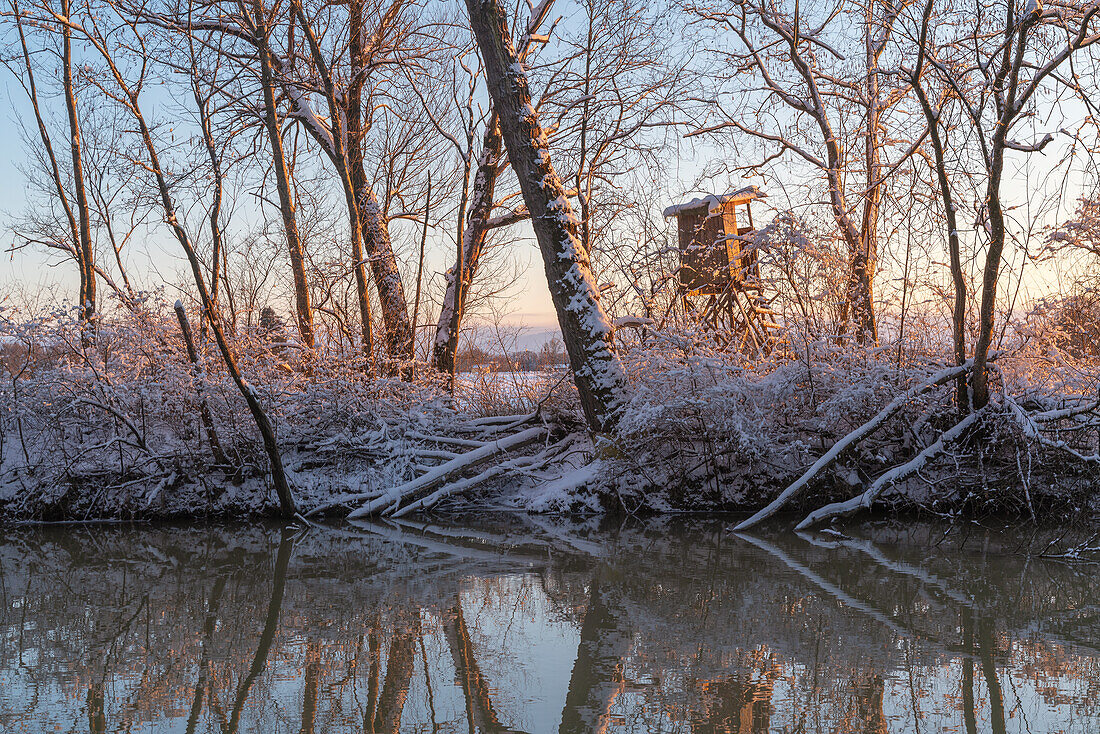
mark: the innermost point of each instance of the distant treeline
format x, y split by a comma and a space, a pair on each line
474, 358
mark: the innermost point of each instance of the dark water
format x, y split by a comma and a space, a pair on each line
522, 625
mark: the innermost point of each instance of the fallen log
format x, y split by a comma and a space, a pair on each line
393, 497
908, 469
519, 464
830, 457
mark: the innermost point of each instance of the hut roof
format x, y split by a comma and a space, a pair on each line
713, 201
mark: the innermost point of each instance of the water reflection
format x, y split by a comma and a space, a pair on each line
526, 626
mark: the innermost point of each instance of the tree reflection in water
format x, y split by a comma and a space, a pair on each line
525, 626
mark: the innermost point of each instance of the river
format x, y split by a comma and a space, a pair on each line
521, 624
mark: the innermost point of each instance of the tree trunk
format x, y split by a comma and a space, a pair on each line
420, 260
865, 261
958, 313
990, 274
282, 180
861, 296
353, 161
85, 255
585, 328
374, 230
383, 264
214, 217
197, 374
474, 235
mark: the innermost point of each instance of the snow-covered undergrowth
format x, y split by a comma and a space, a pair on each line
113, 427
706, 430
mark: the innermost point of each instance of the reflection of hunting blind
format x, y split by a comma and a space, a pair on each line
719, 272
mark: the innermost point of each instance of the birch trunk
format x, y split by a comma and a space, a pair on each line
585, 328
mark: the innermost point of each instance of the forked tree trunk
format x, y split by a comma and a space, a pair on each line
585, 328
861, 293
445, 347
1012, 59
73, 245
353, 161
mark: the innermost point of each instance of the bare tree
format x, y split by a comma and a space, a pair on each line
995, 75
336, 73
363, 59
262, 32
585, 328
87, 258
795, 64
934, 115
1022, 60
475, 209
613, 89
127, 93
471, 242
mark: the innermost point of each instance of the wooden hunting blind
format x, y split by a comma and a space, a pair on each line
719, 273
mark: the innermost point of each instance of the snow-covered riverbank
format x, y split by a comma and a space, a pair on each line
117, 432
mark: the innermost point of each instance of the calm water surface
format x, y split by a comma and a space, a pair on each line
531, 626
